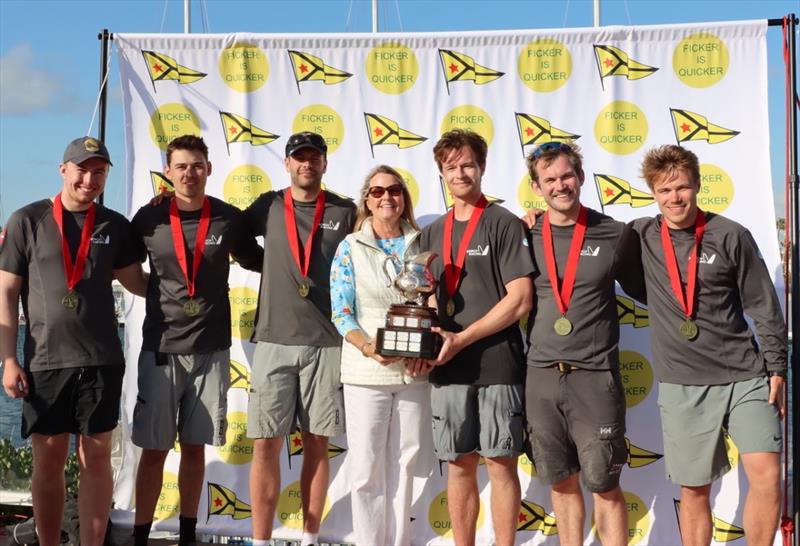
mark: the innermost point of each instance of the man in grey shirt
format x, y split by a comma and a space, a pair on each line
574, 398
295, 375
60, 255
704, 273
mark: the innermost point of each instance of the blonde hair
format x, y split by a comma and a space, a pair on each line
363, 211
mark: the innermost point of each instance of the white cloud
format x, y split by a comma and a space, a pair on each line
25, 88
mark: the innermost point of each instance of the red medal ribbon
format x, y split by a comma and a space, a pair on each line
564, 295
452, 272
73, 273
199, 242
686, 302
291, 229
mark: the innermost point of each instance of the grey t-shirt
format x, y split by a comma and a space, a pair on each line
283, 316
167, 328
56, 337
732, 280
497, 254
610, 252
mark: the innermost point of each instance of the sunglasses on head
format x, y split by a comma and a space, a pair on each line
547, 146
378, 191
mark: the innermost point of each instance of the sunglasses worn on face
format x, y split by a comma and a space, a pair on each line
378, 191
547, 146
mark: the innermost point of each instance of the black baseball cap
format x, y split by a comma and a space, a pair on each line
306, 139
83, 148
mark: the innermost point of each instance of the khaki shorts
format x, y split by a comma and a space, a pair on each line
468, 418
294, 385
694, 417
183, 395
576, 423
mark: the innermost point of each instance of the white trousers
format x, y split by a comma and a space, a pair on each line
385, 425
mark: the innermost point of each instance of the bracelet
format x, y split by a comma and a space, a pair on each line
364, 346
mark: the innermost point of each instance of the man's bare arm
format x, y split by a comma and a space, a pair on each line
15, 381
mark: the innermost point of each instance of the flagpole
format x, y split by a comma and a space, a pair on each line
374, 16
187, 16
105, 38
596, 5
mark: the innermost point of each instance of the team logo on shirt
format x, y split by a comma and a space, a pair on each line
214, 240
329, 225
706, 259
480, 251
101, 239
591, 251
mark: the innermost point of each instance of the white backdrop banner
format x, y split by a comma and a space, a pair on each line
386, 98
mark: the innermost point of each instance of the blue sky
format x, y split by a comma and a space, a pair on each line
50, 59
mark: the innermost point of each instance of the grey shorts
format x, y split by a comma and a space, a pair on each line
183, 396
483, 418
295, 384
576, 423
693, 418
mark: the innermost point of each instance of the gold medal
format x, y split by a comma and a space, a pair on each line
563, 326
303, 289
191, 308
450, 308
688, 329
70, 301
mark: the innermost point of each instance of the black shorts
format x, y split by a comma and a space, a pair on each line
576, 423
74, 400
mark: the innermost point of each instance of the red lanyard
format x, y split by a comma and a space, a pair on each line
686, 302
564, 295
73, 273
199, 242
452, 272
291, 229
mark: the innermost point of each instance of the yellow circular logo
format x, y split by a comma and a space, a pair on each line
468, 116
638, 519
621, 127
544, 65
716, 189
91, 145
700, 60
392, 68
323, 120
238, 448
243, 311
527, 196
637, 377
243, 67
290, 508
411, 182
168, 503
244, 184
527, 465
439, 516
172, 120
730, 449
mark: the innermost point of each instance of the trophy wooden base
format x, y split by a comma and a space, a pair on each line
408, 332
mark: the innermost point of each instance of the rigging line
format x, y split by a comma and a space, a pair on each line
399, 18
347, 21
99, 93
566, 13
627, 12
163, 17
206, 21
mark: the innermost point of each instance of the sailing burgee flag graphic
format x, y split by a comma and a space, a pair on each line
612, 61
616, 191
240, 129
692, 126
628, 312
160, 183
383, 130
163, 67
308, 67
458, 67
223, 502
532, 517
535, 130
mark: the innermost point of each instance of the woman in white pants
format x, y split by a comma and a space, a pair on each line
386, 410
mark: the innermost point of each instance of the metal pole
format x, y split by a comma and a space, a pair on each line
374, 16
187, 16
105, 39
596, 5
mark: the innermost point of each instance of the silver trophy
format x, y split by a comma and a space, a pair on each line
408, 325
